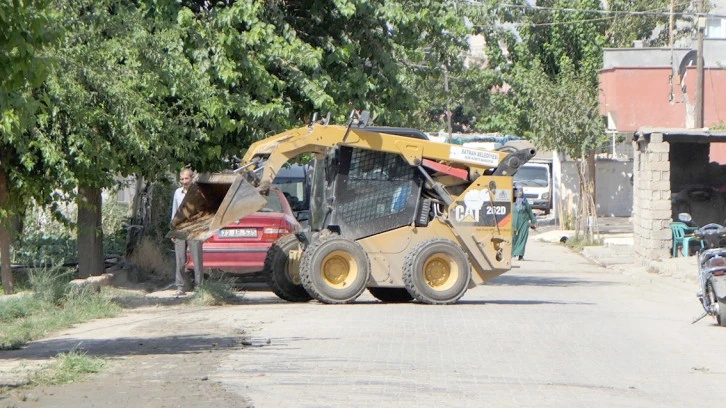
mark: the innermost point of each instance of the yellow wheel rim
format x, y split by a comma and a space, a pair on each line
339, 269
440, 272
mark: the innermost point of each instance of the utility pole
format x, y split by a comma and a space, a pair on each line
448, 103
701, 25
670, 25
671, 96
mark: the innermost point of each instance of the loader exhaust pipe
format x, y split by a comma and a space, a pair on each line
514, 161
212, 202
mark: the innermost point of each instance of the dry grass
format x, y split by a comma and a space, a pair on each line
151, 261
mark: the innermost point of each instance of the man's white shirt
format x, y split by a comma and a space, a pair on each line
176, 202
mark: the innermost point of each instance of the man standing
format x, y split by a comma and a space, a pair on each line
186, 178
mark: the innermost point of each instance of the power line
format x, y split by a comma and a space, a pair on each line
585, 20
608, 12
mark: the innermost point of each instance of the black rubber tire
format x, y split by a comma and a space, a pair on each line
276, 272
391, 295
721, 317
329, 259
437, 255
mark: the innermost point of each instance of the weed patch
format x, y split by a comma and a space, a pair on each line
215, 293
28, 318
67, 368
577, 243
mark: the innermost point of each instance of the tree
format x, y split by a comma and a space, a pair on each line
24, 161
564, 117
280, 61
123, 99
550, 70
624, 29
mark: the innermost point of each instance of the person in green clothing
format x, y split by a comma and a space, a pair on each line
523, 220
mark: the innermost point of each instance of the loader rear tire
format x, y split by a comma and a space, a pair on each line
277, 274
436, 272
391, 295
335, 270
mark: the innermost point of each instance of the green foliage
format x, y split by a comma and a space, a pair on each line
49, 235
27, 27
559, 40
563, 113
93, 89
623, 30
144, 104
115, 217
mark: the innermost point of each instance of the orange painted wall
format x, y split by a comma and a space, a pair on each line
718, 153
637, 97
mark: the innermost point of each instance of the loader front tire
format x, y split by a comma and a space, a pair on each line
335, 270
278, 276
436, 272
391, 295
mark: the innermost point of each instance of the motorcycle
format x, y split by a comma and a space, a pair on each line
711, 269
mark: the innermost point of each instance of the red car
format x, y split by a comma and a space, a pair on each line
241, 247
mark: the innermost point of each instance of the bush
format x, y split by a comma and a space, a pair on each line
50, 284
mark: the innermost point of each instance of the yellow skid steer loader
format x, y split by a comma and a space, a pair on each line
390, 211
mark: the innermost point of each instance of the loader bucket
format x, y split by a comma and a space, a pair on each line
212, 202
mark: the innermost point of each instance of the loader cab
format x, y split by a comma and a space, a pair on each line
363, 192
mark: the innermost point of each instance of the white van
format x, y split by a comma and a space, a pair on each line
536, 181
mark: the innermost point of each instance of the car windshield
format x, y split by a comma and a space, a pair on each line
531, 176
273, 203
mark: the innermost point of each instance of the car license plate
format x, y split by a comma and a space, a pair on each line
238, 233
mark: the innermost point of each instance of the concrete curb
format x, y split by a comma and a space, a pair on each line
617, 253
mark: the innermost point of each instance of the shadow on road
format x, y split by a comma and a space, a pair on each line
518, 302
124, 346
529, 280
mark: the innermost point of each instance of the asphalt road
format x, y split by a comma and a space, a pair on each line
556, 331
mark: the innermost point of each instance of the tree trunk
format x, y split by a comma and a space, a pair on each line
591, 179
587, 212
90, 234
6, 272
136, 227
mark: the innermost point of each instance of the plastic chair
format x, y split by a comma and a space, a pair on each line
679, 231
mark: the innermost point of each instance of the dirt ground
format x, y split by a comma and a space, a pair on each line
158, 354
